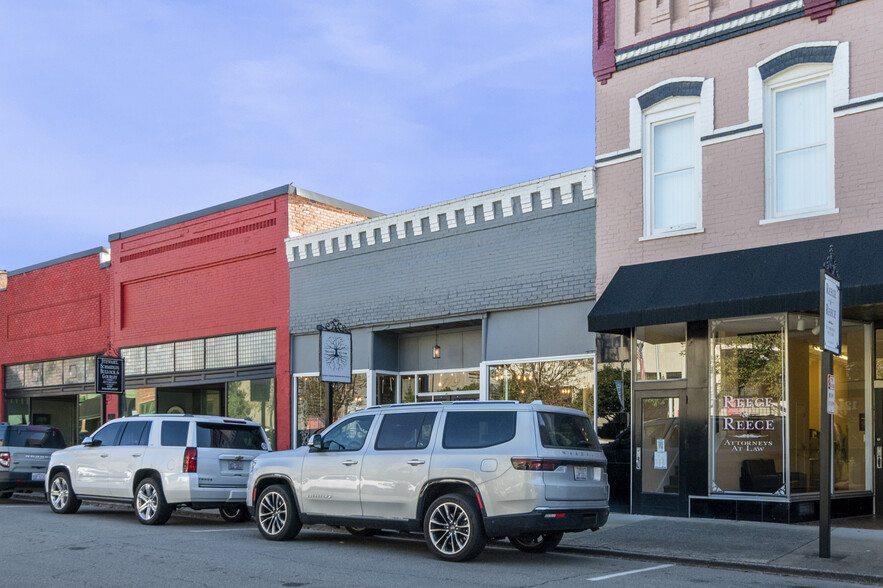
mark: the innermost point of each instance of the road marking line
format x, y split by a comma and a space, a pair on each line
218, 530
607, 577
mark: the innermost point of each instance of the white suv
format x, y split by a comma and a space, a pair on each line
158, 463
461, 472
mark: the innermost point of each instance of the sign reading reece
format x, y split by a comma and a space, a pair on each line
108, 375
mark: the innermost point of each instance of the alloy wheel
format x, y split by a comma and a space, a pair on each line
59, 492
147, 501
449, 528
272, 513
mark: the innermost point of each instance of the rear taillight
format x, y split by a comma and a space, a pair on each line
190, 460
4, 459
535, 464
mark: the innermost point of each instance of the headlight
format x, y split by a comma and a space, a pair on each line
252, 466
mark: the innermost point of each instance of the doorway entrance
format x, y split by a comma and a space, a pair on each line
877, 458
657, 486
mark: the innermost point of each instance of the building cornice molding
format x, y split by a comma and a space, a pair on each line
554, 191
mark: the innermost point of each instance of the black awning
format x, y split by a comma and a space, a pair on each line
778, 278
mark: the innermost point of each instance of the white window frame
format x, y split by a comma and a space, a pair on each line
792, 78
672, 110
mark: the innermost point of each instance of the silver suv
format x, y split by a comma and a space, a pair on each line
24, 454
158, 463
462, 473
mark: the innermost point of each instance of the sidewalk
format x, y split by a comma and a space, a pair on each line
856, 554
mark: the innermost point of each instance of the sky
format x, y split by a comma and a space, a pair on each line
114, 115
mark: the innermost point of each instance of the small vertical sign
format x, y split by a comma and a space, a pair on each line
831, 318
832, 395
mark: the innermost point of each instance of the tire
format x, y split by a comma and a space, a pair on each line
536, 542
362, 531
453, 529
235, 514
276, 513
6, 494
61, 495
150, 504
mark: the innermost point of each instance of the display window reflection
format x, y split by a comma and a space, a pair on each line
569, 382
748, 405
311, 406
848, 435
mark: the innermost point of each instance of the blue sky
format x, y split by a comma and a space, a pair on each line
114, 115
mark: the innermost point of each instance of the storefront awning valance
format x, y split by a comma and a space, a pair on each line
739, 283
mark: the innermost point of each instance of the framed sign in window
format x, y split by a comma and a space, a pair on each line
335, 357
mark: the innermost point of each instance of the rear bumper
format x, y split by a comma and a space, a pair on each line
547, 520
20, 480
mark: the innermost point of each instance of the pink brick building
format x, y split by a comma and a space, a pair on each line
736, 143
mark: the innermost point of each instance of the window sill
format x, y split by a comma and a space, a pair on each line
778, 219
693, 231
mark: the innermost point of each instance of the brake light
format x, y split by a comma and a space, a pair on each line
239, 422
190, 460
535, 464
4, 459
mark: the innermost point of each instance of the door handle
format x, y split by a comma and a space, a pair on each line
416, 462
879, 458
104, 455
349, 462
136, 455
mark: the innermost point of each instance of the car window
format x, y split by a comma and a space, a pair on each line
474, 429
409, 430
226, 436
174, 433
25, 436
567, 431
109, 434
348, 436
135, 433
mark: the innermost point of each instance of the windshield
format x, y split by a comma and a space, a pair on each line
567, 431
224, 436
24, 436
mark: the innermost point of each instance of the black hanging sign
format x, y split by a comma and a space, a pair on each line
109, 375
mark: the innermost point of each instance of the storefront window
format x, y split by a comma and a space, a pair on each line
254, 400
386, 389
878, 363
748, 405
311, 403
88, 415
569, 383
17, 410
408, 388
448, 386
139, 401
848, 434
660, 352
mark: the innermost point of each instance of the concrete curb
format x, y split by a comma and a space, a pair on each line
871, 580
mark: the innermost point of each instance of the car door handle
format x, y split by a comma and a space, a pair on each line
136, 455
349, 462
104, 455
416, 462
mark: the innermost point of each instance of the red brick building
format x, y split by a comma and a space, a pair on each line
197, 305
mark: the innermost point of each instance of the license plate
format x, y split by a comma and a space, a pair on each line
580, 472
235, 465
38, 477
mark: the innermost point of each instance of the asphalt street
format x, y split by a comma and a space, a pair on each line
102, 546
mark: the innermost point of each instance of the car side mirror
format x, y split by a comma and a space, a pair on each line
315, 443
90, 442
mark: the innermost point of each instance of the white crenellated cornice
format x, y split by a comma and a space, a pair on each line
555, 190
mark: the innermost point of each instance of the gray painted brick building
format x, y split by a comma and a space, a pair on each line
499, 283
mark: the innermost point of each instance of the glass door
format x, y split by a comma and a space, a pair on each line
657, 472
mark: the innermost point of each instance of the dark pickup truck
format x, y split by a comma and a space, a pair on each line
24, 456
